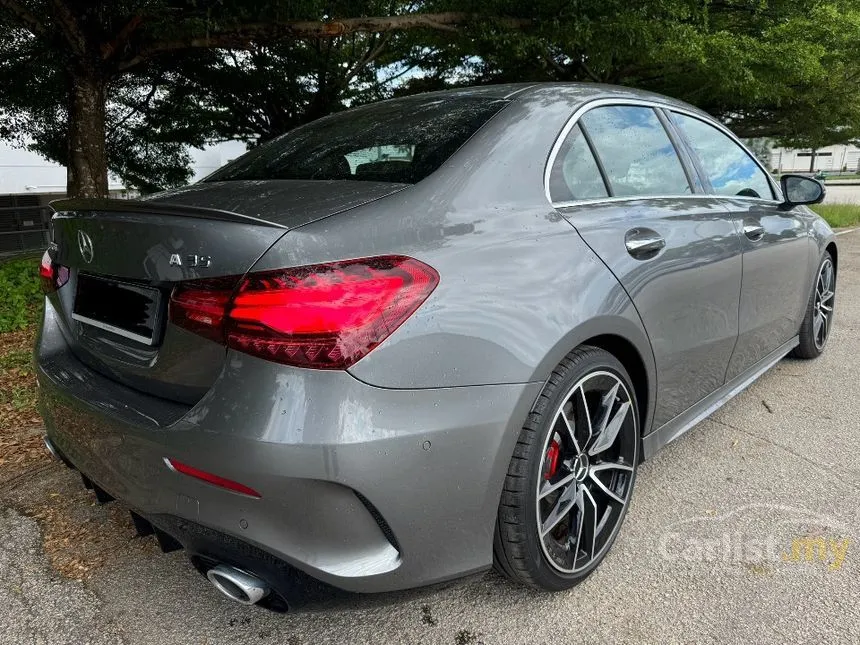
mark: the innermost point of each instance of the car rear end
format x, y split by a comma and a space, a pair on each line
183, 373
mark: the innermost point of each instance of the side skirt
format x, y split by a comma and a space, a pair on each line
673, 429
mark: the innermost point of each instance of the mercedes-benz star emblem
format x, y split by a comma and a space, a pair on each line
580, 467
85, 244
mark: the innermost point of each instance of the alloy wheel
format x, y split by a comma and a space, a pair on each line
823, 308
586, 472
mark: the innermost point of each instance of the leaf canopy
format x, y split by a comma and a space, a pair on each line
179, 73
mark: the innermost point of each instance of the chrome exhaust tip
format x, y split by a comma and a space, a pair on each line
54, 453
238, 585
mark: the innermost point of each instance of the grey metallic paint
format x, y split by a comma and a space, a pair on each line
777, 278
303, 439
687, 295
425, 425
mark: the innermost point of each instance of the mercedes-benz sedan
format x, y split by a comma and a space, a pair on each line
411, 340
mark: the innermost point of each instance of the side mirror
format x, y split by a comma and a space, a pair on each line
799, 190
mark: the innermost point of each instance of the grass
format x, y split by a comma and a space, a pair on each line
16, 372
20, 294
20, 307
845, 175
16, 359
839, 215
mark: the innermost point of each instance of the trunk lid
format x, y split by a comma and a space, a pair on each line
125, 257
288, 203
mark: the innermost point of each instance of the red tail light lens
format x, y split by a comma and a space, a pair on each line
325, 316
200, 306
52, 275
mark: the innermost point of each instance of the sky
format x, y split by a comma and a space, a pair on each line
22, 171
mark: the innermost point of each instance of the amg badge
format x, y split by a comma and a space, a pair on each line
190, 260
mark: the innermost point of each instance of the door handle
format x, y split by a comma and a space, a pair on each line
643, 243
754, 231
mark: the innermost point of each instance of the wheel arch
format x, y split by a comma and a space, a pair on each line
831, 249
628, 342
626, 352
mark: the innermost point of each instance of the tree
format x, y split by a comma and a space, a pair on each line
782, 68
785, 69
761, 147
172, 73
88, 52
141, 153
267, 90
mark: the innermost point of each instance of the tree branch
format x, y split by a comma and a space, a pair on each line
588, 71
138, 108
108, 49
404, 71
552, 62
70, 27
244, 36
365, 60
27, 19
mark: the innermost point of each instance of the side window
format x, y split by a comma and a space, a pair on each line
636, 152
729, 168
575, 174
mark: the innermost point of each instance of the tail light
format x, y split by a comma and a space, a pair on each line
200, 306
325, 316
52, 275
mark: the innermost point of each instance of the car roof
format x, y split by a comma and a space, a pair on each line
573, 93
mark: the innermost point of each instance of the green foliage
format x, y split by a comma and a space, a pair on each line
788, 69
20, 294
164, 90
34, 101
783, 69
839, 215
187, 72
17, 392
19, 359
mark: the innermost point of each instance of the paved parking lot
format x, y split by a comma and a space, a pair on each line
744, 530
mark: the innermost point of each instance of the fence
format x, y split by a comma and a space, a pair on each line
24, 223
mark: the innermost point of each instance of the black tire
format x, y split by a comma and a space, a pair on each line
812, 343
550, 562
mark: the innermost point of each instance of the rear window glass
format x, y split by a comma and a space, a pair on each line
397, 141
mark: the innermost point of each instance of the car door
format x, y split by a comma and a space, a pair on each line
619, 179
777, 250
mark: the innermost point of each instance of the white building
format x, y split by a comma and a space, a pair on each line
24, 172
832, 159
28, 183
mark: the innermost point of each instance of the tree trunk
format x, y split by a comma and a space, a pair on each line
86, 171
812, 160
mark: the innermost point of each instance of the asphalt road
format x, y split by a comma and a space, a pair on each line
714, 549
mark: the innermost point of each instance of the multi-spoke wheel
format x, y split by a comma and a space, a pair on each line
572, 474
818, 321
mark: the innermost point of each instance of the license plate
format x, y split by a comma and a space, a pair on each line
129, 310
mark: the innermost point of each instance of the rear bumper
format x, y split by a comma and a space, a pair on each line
363, 488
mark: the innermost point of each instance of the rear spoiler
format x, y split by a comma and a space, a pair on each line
136, 206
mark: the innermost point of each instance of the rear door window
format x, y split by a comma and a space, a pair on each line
400, 141
636, 152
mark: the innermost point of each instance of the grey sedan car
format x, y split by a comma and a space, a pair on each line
415, 339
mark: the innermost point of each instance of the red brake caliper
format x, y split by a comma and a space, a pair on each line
552, 459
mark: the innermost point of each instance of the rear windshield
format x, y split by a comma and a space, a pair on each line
396, 141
